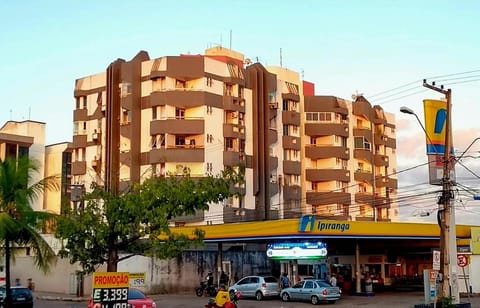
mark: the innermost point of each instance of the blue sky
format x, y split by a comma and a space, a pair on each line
344, 47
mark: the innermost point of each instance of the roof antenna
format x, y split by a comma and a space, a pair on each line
230, 39
281, 64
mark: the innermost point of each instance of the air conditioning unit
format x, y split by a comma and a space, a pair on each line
273, 105
95, 136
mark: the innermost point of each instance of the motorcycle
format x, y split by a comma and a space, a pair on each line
232, 304
205, 289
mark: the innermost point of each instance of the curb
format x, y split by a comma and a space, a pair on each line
61, 298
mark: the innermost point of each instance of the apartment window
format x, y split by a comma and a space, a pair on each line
77, 103
362, 143
180, 113
180, 141
229, 90
314, 186
180, 84
311, 116
154, 113
209, 81
228, 144
285, 130
295, 130
84, 99
313, 140
153, 142
125, 89
325, 117
84, 125
126, 116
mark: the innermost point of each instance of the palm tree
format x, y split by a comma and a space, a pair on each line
19, 223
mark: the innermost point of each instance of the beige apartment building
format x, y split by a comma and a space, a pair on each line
302, 153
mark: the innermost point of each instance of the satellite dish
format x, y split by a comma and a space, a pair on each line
248, 61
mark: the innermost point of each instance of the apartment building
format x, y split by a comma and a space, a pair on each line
350, 162
25, 138
202, 113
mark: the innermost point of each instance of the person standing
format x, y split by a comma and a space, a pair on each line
333, 280
285, 281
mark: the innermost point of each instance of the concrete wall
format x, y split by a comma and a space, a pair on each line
162, 276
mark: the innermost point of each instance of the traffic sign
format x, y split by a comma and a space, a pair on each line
436, 260
462, 260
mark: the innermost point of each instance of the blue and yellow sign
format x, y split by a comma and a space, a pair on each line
435, 112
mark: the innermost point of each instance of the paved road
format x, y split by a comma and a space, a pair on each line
380, 300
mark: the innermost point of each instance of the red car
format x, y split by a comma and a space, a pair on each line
136, 299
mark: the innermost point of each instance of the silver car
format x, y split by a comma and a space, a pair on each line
313, 291
256, 286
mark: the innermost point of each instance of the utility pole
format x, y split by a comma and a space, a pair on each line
446, 212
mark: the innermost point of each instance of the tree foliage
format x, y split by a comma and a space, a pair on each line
132, 222
19, 223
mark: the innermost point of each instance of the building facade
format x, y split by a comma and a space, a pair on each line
349, 159
302, 153
25, 138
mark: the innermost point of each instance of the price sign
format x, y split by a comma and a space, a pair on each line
110, 290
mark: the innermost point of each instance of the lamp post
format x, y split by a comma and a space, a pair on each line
446, 211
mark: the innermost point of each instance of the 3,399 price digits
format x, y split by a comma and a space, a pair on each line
110, 296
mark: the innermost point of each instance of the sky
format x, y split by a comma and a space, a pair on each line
381, 49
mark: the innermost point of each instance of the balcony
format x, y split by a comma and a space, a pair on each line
197, 217
326, 129
363, 132
185, 98
292, 167
291, 118
324, 175
321, 152
363, 154
79, 168
380, 160
233, 131
291, 96
188, 126
391, 143
370, 199
272, 136
291, 143
231, 103
79, 141
363, 176
361, 107
319, 103
231, 158
274, 189
292, 192
380, 139
235, 214
80, 115
273, 162
328, 197
174, 154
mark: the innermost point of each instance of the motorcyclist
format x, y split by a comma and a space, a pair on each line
223, 298
209, 279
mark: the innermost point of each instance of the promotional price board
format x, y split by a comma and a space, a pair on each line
110, 290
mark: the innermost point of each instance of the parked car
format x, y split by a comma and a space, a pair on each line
21, 297
136, 299
313, 291
256, 286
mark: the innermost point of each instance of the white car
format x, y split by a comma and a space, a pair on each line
256, 286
